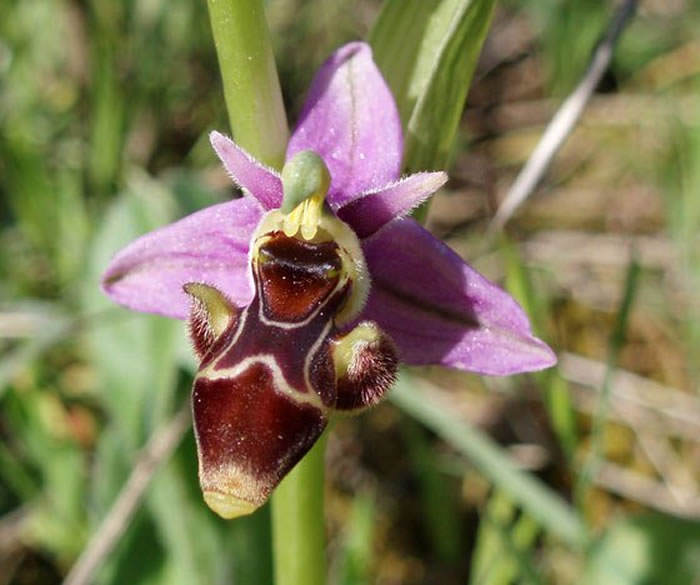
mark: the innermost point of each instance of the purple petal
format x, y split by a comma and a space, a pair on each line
438, 310
210, 246
260, 181
350, 119
370, 211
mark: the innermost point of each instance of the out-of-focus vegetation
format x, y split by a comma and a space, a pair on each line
591, 471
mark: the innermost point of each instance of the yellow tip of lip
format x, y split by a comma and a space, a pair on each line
228, 506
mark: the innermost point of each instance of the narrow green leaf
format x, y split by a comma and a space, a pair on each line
427, 50
49, 469
15, 476
186, 529
30, 190
137, 392
358, 540
600, 417
557, 396
55, 328
150, 569
134, 357
543, 504
108, 102
440, 515
249, 541
504, 545
73, 225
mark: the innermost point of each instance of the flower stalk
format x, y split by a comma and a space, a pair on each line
258, 121
298, 527
250, 81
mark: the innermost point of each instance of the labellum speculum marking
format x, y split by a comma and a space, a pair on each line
273, 372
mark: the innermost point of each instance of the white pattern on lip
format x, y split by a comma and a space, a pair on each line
280, 384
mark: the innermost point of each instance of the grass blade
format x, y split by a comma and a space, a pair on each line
543, 504
428, 52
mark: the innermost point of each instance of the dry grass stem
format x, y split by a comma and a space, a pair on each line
678, 408
678, 478
12, 526
159, 447
563, 121
644, 490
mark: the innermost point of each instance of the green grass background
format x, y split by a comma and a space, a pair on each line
589, 473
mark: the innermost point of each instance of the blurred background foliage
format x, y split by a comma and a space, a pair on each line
590, 471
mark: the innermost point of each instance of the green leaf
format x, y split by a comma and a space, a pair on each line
54, 327
135, 360
440, 514
72, 225
139, 542
569, 32
47, 468
30, 192
108, 100
137, 392
600, 416
557, 397
427, 51
503, 551
355, 556
647, 550
186, 528
543, 504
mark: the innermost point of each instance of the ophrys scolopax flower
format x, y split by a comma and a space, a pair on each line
305, 292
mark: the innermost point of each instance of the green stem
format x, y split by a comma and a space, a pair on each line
251, 86
592, 463
259, 124
298, 526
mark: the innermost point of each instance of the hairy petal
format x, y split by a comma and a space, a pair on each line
370, 211
211, 313
258, 180
365, 366
209, 246
351, 120
438, 310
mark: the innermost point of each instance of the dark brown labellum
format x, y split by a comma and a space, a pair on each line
273, 372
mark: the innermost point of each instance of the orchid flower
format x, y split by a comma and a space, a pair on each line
304, 294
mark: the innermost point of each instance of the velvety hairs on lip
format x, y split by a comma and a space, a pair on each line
304, 294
